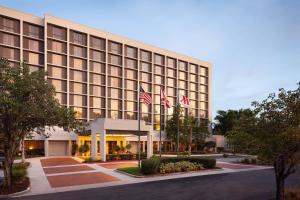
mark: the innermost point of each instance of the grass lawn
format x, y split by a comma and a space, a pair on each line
132, 170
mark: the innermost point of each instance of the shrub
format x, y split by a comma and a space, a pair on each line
35, 152
207, 162
117, 148
126, 156
19, 171
245, 161
74, 149
210, 144
253, 161
150, 166
84, 148
128, 147
225, 155
182, 166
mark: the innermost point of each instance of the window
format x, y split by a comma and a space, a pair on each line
78, 76
130, 95
193, 78
129, 63
115, 48
131, 52
145, 77
97, 79
159, 70
193, 86
78, 51
80, 112
77, 63
193, 68
132, 85
115, 60
171, 63
96, 113
145, 67
183, 84
203, 71
79, 38
57, 59
97, 90
62, 98
130, 106
182, 75
159, 59
203, 80
97, 43
33, 58
58, 33
171, 92
97, 67
9, 53
203, 97
78, 100
8, 24
131, 74
115, 71
97, 102
146, 56
171, 73
57, 72
57, 46
193, 95
33, 31
8, 39
182, 66
60, 86
158, 79
97, 55
115, 82
114, 104
114, 93
78, 88
203, 88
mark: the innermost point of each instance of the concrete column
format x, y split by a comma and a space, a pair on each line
103, 145
149, 145
46, 147
70, 148
144, 146
94, 145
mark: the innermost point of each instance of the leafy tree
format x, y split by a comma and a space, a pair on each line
227, 120
27, 104
190, 130
274, 135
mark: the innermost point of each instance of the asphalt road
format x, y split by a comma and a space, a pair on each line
253, 185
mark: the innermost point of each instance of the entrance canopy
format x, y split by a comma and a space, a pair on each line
105, 126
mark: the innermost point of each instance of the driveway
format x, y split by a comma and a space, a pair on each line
246, 185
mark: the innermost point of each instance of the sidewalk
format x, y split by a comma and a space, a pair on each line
40, 181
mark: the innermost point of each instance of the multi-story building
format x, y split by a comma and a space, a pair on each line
97, 73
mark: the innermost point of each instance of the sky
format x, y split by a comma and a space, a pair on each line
254, 46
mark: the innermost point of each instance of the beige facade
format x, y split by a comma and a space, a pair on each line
97, 73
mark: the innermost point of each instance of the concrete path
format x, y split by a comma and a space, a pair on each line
55, 179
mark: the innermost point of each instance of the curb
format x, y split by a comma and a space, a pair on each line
16, 193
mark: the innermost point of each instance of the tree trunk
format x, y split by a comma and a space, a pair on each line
190, 141
279, 189
7, 169
23, 150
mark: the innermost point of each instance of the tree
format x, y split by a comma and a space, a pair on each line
274, 135
27, 104
227, 120
190, 130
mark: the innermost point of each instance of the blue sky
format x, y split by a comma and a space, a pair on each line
254, 46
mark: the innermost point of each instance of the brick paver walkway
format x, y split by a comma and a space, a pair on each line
79, 179
48, 162
56, 170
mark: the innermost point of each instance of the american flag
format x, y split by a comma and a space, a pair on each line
145, 97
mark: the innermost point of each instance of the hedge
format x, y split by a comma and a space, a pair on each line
151, 166
207, 162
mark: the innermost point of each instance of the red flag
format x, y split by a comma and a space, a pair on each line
164, 98
184, 101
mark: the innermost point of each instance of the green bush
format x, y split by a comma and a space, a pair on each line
210, 144
35, 152
19, 171
74, 149
84, 148
182, 166
207, 162
150, 166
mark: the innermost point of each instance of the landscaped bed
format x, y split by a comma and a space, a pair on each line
161, 166
20, 180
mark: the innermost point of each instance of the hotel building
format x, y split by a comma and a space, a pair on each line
97, 73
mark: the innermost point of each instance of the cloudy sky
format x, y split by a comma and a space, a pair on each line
254, 46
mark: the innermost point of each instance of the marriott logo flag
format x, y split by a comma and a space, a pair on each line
184, 101
164, 98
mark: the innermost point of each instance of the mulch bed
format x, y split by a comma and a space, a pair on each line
18, 186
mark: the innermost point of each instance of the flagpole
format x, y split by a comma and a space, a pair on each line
160, 125
178, 122
139, 129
